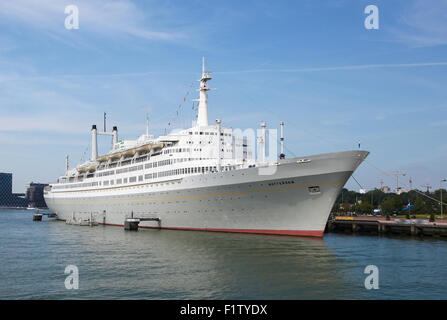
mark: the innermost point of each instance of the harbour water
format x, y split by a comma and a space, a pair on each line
167, 264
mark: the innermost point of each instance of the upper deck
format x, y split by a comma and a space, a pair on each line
189, 152
201, 149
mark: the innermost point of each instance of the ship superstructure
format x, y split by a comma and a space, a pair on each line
203, 178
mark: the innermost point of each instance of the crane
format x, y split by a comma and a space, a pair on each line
427, 186
397, 174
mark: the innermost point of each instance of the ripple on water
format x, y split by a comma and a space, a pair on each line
167, 264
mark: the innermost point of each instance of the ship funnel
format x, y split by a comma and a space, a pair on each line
263, 142
282, 155
115, 135
94, 143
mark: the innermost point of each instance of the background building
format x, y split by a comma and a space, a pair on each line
7, 198
5, 183
34, 195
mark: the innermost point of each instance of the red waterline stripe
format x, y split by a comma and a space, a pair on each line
305, 233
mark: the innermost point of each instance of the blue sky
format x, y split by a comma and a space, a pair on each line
309, 63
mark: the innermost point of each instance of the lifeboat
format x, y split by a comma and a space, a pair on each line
148, 147
82, 169
129, 153
158, 145
144, 148
115, 156
103, 158
92, 168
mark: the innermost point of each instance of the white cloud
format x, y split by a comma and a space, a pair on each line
42, 123
400, 110
343, 68
62, 106
104, 17
336, 122
424, 23
31, 139
439, 123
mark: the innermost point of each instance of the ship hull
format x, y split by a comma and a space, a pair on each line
292, 197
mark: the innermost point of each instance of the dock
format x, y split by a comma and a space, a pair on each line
382, 226
132, 223
39, 215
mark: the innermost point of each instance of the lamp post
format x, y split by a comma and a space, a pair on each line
440, 187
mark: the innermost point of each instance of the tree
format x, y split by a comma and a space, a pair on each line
365, 207
419, 206
390, 203
397, 203
388, 206
346, 207
337, 208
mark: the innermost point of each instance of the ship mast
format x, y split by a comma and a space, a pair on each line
147, 125
202, 118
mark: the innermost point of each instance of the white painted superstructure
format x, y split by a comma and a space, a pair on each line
203, 178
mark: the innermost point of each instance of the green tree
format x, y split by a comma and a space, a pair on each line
388, 206
397, 203
365, 208
419, 206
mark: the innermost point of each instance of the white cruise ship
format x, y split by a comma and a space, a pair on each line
203, 178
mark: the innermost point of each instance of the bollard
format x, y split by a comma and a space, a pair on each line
131, 224
37, 217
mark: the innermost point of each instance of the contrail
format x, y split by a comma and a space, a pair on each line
340, 68
291, 70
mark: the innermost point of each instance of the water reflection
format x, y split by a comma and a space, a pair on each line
168, 264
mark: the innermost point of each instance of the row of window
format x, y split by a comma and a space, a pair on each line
77, 185
152, 164
146, 157
209, 133
170, 161
130, 169
148, 176
105, 173
111, 165
168, 151
134, 168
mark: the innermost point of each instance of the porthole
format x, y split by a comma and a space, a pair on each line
314, 190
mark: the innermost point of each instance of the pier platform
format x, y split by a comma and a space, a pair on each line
380, 225
132, 223
38, 215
